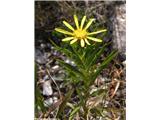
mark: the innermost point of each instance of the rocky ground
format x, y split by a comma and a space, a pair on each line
49, 75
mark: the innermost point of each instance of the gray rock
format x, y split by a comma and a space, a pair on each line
119, 27
46, 77
112, 13
55, 99
40, 57
48, 102
43, 45
47, 89
56, 67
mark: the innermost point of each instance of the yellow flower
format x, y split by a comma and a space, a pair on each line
80, 33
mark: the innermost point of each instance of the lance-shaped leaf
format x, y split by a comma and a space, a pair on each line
74, 112
76, 56
63, 50
95, 56
103, 65
70, 68
90, 52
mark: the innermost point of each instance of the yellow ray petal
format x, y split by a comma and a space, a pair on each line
68, 25
89, 23
67, 39
87, 41
76, 21
82, 22
82, 43
92, 33
63, 31
73, 41
95, 39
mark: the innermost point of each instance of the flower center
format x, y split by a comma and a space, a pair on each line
80, 34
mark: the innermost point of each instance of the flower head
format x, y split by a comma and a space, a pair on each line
80, 33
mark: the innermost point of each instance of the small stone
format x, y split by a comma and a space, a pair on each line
52, 47
106, 104
46, 77
67, 61
40, 57
55, 99
48, 102
42, 45
47, 89
55, 53
55, 67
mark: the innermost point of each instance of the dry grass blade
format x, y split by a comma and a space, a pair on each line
55, 84
116, 88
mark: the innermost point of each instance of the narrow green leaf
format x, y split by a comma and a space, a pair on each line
70, 68
74, 112
97, 55
39, 102
90, 53
104, 64
60, 49
98, 111
77, 57
64, 102
98, 92
80, 96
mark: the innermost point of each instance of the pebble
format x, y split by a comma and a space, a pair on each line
48, 102
47, 89
106, 104
67, 61
55, 67
55, 99
42, 45
46, 77
40, 57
